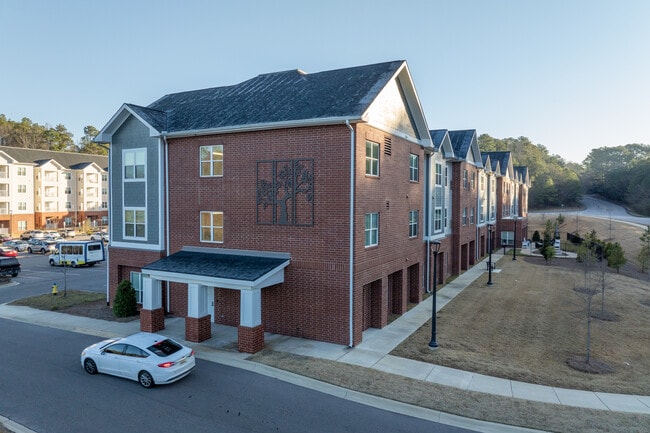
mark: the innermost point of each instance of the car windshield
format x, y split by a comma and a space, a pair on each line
165, 347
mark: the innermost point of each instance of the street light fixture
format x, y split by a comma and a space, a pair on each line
490, 239
514, 245
435, 248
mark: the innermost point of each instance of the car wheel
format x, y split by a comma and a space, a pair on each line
51, 262
145, 379
29, 250
73, 264
90, 366
43, 250
14, 275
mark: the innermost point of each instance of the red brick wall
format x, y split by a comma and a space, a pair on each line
313, 301
122, 261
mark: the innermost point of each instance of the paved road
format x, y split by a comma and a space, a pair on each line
598, 208
36, 277
48, 391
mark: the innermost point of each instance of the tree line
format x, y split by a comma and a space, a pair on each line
27, 134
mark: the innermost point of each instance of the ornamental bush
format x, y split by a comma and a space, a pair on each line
125, 303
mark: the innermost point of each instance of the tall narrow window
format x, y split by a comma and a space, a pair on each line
465, 180
134, 163
211, 226
414, 162
211, 160
134, 223
372, 158
136, 282
372, 229
413, 223
438, 174
464, 216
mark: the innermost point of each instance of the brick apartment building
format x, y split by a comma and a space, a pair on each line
292, 203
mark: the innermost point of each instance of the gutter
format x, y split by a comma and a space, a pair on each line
351, 252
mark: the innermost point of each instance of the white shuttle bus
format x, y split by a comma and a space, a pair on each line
78, 253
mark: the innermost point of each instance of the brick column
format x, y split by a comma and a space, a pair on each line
152, 320
198, 329
250, 340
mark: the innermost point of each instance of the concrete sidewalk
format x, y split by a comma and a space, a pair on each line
373, 352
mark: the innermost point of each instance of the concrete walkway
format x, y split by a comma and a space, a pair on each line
373, 352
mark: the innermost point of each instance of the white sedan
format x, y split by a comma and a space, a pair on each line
150, 359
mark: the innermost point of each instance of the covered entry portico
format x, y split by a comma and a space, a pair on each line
203, 269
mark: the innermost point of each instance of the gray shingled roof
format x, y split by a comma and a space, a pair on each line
461, 141
501, 157
216, 265
69, 160
270, 98
437, 135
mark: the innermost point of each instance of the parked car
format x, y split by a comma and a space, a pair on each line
40, 246
8, 252
52, 234
150, 359
18, 245
9, 267
5, 237
67, 233
99, 236
32, 234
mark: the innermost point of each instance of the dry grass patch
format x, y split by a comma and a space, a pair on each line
502, 410
530, 322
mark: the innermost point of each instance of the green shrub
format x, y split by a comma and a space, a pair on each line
125, 303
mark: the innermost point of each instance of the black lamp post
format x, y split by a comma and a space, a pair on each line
514, 245
435, 248
490, 236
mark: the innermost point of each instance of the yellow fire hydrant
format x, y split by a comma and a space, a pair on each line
55, 288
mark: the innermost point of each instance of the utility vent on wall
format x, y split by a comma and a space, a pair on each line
388, 146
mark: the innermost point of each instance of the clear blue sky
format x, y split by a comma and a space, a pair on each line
571, 75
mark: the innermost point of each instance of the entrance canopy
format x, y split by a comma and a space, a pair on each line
217, 267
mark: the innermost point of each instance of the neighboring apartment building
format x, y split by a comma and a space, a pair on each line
42, 189
292, 203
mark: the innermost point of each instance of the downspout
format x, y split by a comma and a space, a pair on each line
351, 251
166, 207
428, 215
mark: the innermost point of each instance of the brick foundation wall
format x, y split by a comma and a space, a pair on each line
250, 340
198, 329
152, 320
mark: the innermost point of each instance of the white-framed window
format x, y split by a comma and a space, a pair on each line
212, 227
136, 282
464, 216
372, 229
414, 167
413, 223
438, 174
372, 158
22, 225
22, 205
68, 190
22, 171
104, 191
465, 180
104, 205
68, 205
134, 223
446, 218
104, 177
472, 215
22, 189
67, 175
472, 184
211, 160
134, 161
437, 220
